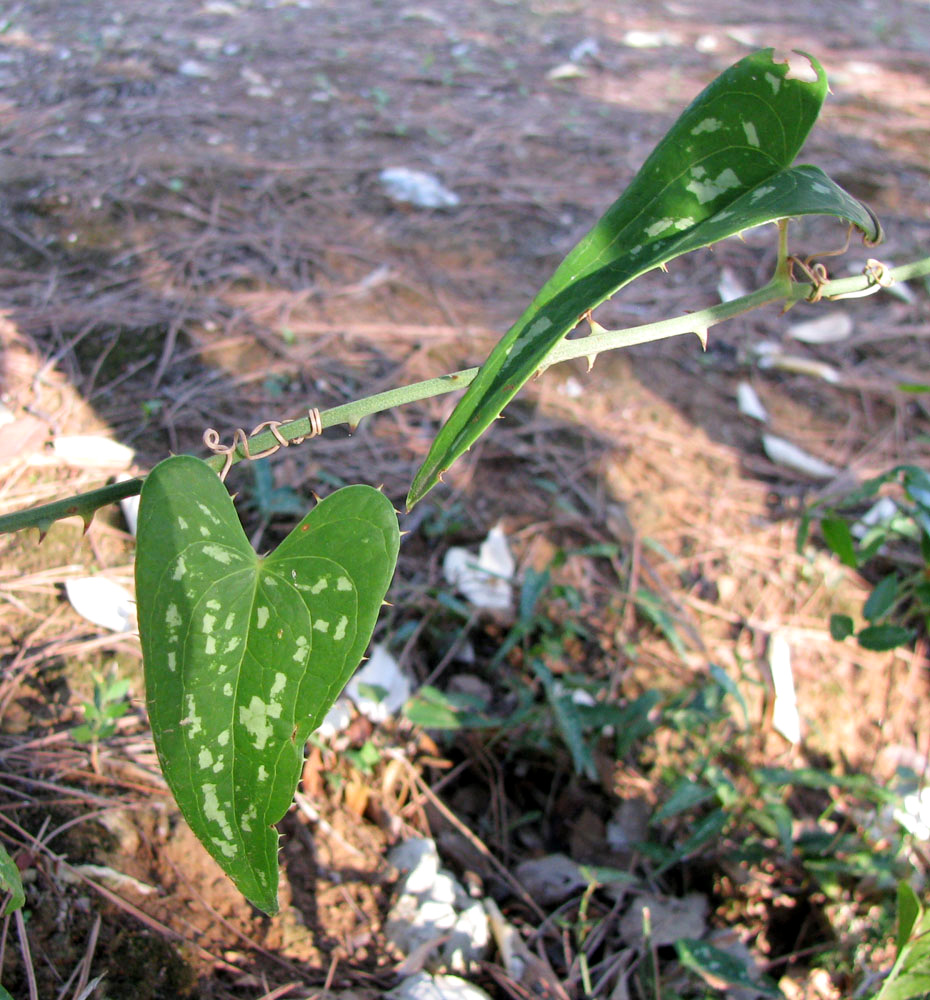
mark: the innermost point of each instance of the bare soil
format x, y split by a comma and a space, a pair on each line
193, 234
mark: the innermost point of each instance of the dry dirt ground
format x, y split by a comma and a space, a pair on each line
193, 234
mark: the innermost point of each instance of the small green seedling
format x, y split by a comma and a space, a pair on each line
891, 543
101, 714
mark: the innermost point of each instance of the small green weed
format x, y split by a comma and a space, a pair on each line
101, 714
890, 544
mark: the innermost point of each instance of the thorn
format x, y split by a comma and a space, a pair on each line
353, 426
702, 337
595, 326
386, 604
316, 496
402, 533
439, 475
88, 520
663, 267
380, 488
590, 358
44, 528
398, 512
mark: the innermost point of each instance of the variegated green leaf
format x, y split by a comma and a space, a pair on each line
723, 167
244, 655
10, 883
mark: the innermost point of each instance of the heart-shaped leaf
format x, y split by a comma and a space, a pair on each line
244, 655
723, 167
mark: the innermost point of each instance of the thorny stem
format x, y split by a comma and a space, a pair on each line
780, 289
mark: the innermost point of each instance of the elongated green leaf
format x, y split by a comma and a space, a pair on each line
881, 638
882, 598
909, 912
723, 167
910, 975
836, 533
687, 794
721, 967
244, 655
10, 882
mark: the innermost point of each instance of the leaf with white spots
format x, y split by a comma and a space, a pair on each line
245, 654
723, 167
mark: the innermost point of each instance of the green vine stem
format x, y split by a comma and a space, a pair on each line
781, 289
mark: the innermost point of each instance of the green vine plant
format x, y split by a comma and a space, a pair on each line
244, 654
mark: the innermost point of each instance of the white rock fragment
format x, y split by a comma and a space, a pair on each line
336, 719
485, 580
129, 507
729, 287
587, 48
258, 86
831, 328
513, 951
747, 399
914, 813
102, 602
884, 509
196, 69
800, 366
744, 36
92, 451
381, 673
108, 876
378, 689
566, 71
423, 986
415, 853
650, 39
785, 718
432, 908
789, 455
415, 187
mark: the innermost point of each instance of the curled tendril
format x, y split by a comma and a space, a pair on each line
878, 272
240, 441
815, 272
